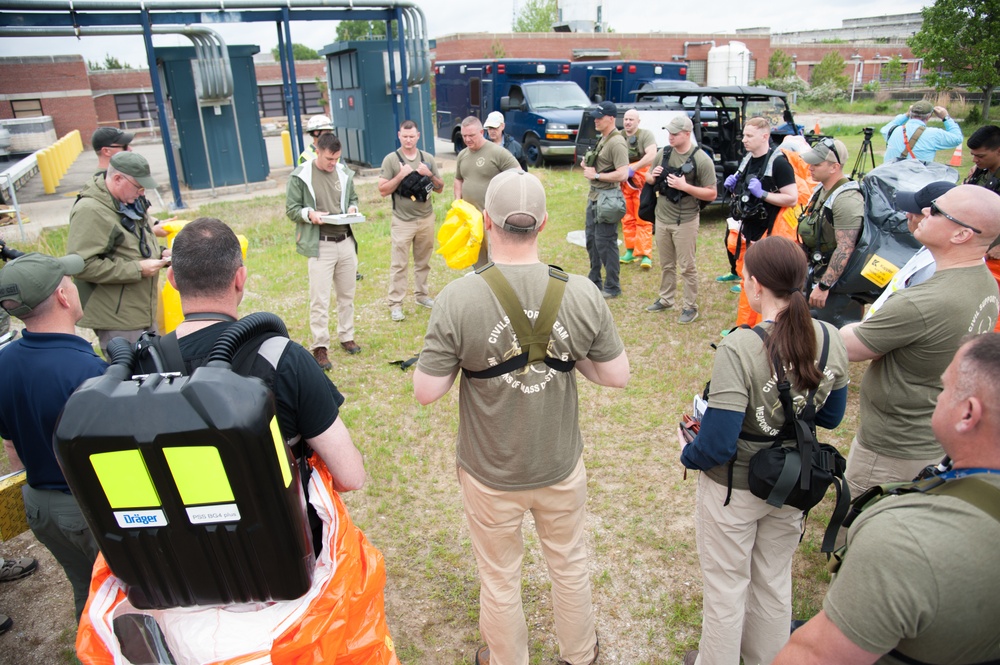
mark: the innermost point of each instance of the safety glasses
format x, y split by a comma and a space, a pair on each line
935, 210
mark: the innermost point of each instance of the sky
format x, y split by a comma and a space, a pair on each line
444, 18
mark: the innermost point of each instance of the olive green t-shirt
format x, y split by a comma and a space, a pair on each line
688, 207
329, 197
612, 154
917, 332
476, 170
637, 143
406, 208
520, 430
743, 381
920, 576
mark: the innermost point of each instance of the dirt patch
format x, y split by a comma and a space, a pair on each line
41, 606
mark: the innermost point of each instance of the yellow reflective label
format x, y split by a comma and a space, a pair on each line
199, 474
279, 448
879, 271
125, 479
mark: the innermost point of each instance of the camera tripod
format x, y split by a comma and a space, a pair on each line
865, 154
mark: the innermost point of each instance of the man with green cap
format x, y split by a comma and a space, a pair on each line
907, 136
119, 284
41, 370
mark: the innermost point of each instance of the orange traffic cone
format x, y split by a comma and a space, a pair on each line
956, 157
816, 129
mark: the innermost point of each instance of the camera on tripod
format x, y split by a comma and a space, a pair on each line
7, 253
866, 155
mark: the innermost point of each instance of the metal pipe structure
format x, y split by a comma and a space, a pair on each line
212, 66
26, 18
413, 15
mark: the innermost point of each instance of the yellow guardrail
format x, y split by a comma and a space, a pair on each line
286, 143
54, 161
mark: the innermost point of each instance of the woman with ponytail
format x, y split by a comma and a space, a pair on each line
745, 546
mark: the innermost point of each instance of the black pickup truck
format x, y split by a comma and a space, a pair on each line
717, 113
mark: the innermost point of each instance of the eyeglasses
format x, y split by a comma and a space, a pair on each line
120, 147
935, 210
133, 183
832, 147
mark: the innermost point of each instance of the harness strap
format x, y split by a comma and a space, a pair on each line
908, 144
533, 338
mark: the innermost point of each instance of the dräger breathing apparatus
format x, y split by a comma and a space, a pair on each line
186, 482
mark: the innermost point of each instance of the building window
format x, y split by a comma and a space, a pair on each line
27, 108
475, 94
271, 100
136, 111
309, 96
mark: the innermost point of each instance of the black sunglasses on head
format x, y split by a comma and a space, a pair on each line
832, 148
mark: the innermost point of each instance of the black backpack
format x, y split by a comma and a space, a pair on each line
797, 470
414, 186
659, 187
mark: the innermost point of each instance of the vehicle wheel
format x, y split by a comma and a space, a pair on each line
532, 151
457, 141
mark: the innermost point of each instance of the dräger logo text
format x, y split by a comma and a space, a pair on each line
133, 519
139, 519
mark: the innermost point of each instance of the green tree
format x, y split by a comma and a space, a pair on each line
831, 70
110, 62
299, 52
892, 71
960, 45
536, 16
357, 30
780, 65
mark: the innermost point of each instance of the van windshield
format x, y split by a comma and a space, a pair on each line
556, 95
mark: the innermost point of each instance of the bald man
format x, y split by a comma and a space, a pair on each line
915, 334
638, 233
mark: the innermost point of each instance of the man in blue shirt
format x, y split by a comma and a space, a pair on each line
41, 370
908, 135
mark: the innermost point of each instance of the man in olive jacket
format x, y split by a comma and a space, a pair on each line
324, 186
119, 285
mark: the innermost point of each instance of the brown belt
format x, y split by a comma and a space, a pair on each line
340, 238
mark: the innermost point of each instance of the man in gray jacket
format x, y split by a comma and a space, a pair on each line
111, 231
321, 187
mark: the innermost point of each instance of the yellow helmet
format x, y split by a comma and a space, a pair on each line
461, 235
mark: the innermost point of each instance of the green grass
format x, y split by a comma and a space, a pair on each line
640, 527
883, 104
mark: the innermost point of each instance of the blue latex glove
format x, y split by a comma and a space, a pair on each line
755, 188
731, 181
631, 172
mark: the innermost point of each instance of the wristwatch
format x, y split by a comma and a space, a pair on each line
597, 176
822, 287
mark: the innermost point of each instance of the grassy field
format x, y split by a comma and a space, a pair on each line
644, 563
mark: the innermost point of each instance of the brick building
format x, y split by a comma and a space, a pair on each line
692, 48
61, 86
57, 86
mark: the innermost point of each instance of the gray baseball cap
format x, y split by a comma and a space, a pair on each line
515, 192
